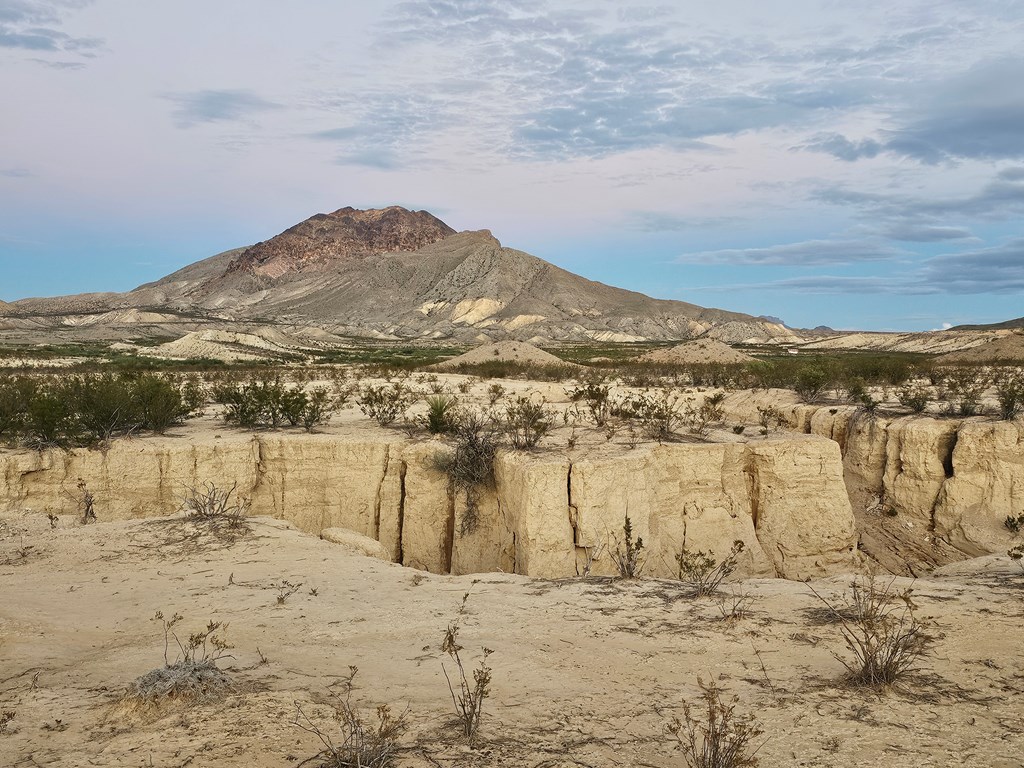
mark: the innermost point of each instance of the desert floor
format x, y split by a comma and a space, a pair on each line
586, 672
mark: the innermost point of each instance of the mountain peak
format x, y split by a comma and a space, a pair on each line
345, 234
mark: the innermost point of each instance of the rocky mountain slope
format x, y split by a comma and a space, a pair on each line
399, 274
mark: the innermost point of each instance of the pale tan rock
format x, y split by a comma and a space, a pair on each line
804, 519
355, 542
534, 493
987, 486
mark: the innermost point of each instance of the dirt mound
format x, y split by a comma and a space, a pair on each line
504, 352
700, 351
218, 345
1006, 348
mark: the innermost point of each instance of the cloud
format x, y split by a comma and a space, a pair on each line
920, 233
34, 25
658, 221
997, 270
16, 173
210, 106
809, 253
976, 115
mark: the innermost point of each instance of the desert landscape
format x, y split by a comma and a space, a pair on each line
298, 542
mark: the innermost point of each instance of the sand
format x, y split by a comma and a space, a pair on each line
586, 672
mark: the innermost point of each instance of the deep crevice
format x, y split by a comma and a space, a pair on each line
947, 456
401, 509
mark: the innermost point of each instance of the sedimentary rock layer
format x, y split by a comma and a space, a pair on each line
547, 514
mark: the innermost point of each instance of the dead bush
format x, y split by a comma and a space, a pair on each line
884, 637
721, 738
215, 508
470, 696
193, 675
365, 742
469, 466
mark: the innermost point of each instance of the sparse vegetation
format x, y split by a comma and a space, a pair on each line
720, 737
628, 555
883, 635
363, 742
193, 675
469, 465
526, 422
385, 403
470, 696
703, 573
1009, 390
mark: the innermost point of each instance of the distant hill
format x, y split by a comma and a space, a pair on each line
392, 273
1006, 325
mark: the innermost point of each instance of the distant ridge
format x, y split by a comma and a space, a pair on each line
396, 274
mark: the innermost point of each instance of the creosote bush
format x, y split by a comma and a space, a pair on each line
1009, 388
717, 737
883, 635
364, 742
385, 403
526, 422
701, 571
1017, 555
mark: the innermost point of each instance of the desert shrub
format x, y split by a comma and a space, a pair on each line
15, 395
317, 410
1014, 524
881, 632
364, 743
702, 573
915, 398
260, 402
628, 557
963, 389
442, 413
194, 674
50, 419
596, 395
1009, 387
721, 738
469, 465
214, 506
470, 696
385, 403
810, 383
659, 415
709, 412
162, 403
526, 422
494, 393
104, 405
770, 418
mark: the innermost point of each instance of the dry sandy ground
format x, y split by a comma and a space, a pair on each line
585, 672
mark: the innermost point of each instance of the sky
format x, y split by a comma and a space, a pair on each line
855, 165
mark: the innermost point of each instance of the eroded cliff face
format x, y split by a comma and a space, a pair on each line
925, 491
548, 515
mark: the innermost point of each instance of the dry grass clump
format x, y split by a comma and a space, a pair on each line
628, 557
721, 738
193, 676
364, 742
884, 637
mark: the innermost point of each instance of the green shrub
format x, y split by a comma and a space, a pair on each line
596, 395
810, 383
1009, 387
442, 414
526, 422
915, 398
628, 557
385, 403
964, 387
469, 465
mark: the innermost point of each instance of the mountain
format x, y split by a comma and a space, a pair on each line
398, 274
1003, 326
